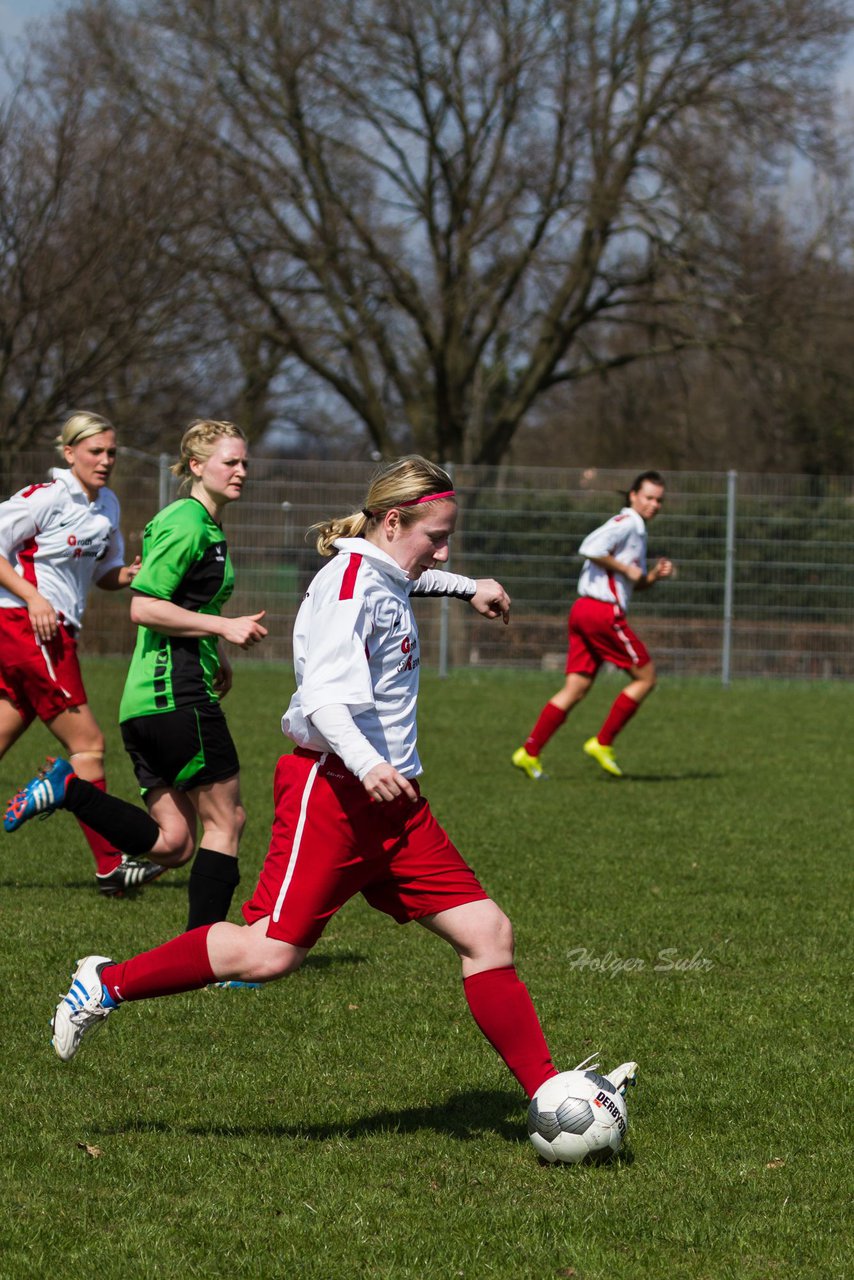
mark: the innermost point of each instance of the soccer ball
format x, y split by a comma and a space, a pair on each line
575, 1116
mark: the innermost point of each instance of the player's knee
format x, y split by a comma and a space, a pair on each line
174, 847
266, 965
225, 828
495, 941
504, 938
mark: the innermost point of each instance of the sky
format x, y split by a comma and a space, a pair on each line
14, 14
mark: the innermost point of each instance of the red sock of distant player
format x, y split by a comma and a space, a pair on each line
103, 851
179, 965
618, 717
551, 718
502, 1008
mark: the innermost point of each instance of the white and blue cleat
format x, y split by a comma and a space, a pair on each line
84, 1009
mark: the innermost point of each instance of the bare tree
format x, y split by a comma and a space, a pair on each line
437, 211
97, 308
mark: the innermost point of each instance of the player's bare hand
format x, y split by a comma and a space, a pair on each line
663, 568
244, 632
129, 571
491, 600
224, 677
42, 618
383, 782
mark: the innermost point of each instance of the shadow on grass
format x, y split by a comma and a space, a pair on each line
688, 776
90, 886
464, 1116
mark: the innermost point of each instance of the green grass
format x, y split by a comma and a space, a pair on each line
351, 1121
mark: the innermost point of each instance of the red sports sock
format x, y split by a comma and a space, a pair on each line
551, 718
103, 851
179, 965
620, 714
503, 1009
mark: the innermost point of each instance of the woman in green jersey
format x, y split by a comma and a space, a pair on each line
171, 719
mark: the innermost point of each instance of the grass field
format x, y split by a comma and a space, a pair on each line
351, 1121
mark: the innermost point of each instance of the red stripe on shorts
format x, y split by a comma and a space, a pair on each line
351, 573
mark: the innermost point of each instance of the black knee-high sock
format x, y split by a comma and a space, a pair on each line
213, 879
125, 825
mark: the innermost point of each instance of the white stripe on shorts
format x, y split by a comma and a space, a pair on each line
626, 643
292, 861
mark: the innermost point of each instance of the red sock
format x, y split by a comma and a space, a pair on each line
105, 854
620, 714
503, 1010
551, 718
179, 965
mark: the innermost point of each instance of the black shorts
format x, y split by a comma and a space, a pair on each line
183, 749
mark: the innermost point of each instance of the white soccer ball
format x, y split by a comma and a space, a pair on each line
575, 1116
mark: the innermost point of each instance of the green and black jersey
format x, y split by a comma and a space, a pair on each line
184, 560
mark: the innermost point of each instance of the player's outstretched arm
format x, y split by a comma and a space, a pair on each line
173, 620
491, 600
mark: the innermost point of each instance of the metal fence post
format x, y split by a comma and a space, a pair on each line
164, 490
729, 578
445, 612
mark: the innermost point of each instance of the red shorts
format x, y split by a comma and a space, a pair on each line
598, 632
39, 681
330, 842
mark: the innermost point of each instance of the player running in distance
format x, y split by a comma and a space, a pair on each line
614, 566
56, 539
349, 814
171, 720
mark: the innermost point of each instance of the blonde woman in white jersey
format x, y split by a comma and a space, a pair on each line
349, 814
56, 539
614, 566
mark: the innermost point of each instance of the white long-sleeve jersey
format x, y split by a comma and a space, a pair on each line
59, 541
624, 537
356, 645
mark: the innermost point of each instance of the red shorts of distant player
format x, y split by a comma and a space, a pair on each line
599, 632
40, 681
330, 842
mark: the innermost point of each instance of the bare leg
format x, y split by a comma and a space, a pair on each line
11, 726
499, 1001
479, 932
576, 687
245, 953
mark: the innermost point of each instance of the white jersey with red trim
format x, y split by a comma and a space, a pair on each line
356, 644
624, 537
59, 541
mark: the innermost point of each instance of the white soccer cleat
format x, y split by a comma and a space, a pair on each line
588, 1064
82, 1009
624, 1075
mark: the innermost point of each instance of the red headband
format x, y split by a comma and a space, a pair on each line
413, 502
428, 497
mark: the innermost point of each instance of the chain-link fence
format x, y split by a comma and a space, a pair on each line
765, 564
